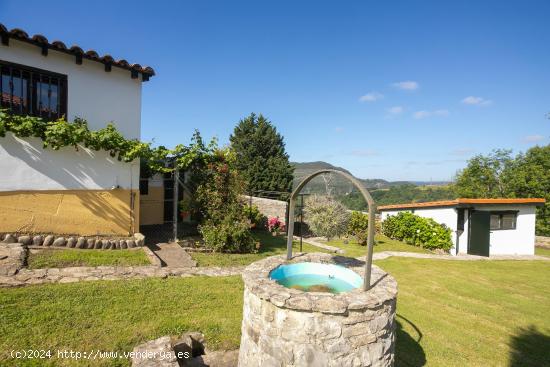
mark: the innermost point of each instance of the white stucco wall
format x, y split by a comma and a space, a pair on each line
25, 165
519, 241
93, 94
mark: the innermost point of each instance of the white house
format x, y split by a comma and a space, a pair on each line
481, 226
82, 192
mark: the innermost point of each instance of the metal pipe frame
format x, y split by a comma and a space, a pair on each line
371, 227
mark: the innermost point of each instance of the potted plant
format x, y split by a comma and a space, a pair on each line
186, 208
275, 226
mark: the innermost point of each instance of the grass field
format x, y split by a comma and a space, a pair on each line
382, 243
269, 246
65, 258
470, 313
449, 313
117, 315
542, 251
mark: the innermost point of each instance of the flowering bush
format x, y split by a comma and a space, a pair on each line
274, 224
418, 231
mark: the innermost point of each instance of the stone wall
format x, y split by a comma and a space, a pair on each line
268, 207
50, 240
288, 327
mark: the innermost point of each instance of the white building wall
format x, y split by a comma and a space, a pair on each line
93, 94
25, 165
519, 241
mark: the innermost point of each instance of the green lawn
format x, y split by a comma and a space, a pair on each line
269, 246
65, 258
382, 243
117, 315
449, 313
541, 251
472, 313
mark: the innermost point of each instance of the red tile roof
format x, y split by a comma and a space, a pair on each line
42, 42
456, 202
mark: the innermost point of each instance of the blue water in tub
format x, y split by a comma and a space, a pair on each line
317, 277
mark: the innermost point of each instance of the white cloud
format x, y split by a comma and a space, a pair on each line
338, 129
477, 101
424, 114
406, 85
533, 138
371, 97
395, 110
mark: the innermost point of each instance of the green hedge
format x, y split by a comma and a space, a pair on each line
418, 231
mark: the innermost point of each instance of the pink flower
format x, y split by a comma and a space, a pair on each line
274, 224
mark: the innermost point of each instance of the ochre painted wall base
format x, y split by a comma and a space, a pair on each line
77, 212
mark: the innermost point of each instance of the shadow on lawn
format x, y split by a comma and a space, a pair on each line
529, 347
408, 351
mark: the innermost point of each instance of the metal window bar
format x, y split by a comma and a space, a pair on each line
31, 91
58, 97
11, 88
41, 94
21, 90
49, 98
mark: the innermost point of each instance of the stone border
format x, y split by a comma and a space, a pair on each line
26, 277
81, 242
12, 258
256, 278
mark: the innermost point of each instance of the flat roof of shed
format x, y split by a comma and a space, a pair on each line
463, 201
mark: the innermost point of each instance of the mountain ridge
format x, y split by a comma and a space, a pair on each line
339, 184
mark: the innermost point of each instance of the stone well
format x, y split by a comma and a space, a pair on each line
289, 327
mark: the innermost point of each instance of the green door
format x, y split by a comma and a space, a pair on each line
478, 241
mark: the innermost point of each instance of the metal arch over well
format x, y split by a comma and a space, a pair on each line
372, 211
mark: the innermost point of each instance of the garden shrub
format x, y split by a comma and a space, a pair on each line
257, 219
418, 231
224, 226
358, 227
326, 217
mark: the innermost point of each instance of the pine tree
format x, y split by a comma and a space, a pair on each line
261, 155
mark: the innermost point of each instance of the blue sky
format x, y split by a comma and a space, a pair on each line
400, 90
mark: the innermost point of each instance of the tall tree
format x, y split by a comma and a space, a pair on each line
261, 156
529, 177
500, 175
485, 176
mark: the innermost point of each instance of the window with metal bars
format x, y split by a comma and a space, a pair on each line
503, 220
30, 91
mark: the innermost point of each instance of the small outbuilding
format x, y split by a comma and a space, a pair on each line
481, 226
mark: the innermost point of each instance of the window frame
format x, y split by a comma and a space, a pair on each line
501, 213
35, 76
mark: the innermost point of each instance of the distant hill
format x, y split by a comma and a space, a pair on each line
340, 185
